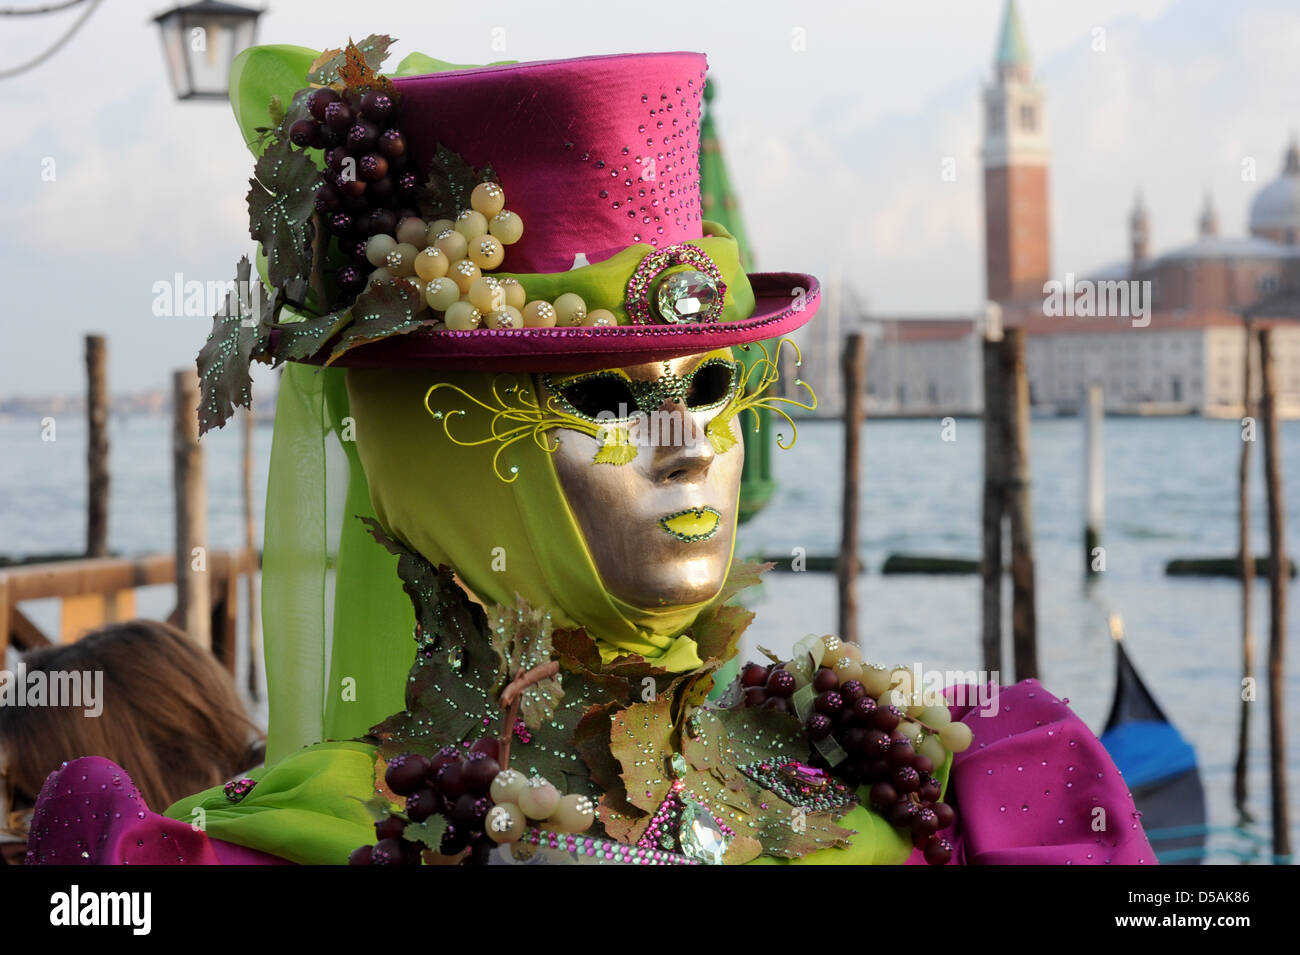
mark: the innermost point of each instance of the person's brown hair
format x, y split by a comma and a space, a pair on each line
171, 716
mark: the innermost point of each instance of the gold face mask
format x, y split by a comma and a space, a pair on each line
649, 458
661, 527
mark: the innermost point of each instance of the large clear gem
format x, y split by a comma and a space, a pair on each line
686, 297
699, 836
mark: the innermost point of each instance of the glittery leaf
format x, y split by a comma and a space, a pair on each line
621, 822
716, 742
641, 740
326, 69
378, 807
591, 738
427, 833
281, 201
283, 117
275, 109
384, 309
619, 819
521, 639
718, 634
791, 833
301, 339
445, 193
758, 733
742, 849
552, 751
237, 329
576, 649
743, 575
448, 698
695, 690
452, 694
426, 585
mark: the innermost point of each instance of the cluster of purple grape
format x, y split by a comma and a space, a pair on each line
769, 687
878, 753
369, 186
455, 783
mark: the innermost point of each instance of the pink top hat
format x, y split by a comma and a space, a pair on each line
596, 154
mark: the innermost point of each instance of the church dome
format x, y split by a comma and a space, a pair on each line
1277, 206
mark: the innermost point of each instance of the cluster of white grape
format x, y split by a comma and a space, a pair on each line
518, 798
448, 263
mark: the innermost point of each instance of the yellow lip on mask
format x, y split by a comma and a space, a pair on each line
693, 524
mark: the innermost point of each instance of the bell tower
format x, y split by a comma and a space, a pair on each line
1017, 244
1139, 234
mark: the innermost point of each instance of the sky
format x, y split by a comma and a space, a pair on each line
836, 119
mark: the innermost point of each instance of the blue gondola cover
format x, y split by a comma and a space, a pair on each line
1147, 752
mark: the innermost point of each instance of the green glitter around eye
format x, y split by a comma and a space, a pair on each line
649, 396
557, 391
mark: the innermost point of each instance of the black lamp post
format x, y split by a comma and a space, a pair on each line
200, 41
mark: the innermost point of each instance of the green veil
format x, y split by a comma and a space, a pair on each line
338, 625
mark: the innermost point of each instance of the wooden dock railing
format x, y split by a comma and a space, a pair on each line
100, 590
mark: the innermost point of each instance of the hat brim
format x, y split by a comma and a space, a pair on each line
783, 301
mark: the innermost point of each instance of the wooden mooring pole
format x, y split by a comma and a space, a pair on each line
193, 588
854, 376
1094, 479
1247, 565
1024, 615
97, 446
995, 477
1278, 579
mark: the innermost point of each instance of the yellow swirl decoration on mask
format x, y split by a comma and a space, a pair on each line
518, 414
512, 422
750, 399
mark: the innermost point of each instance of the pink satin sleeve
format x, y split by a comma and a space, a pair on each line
90, 813
1036, 787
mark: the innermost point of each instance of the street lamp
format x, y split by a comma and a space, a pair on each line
200, 41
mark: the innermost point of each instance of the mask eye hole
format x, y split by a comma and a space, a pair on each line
598, 395
710, 384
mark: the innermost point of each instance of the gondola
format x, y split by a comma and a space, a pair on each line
1158, 764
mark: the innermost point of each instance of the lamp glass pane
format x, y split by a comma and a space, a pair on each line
174, 53
210, 45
